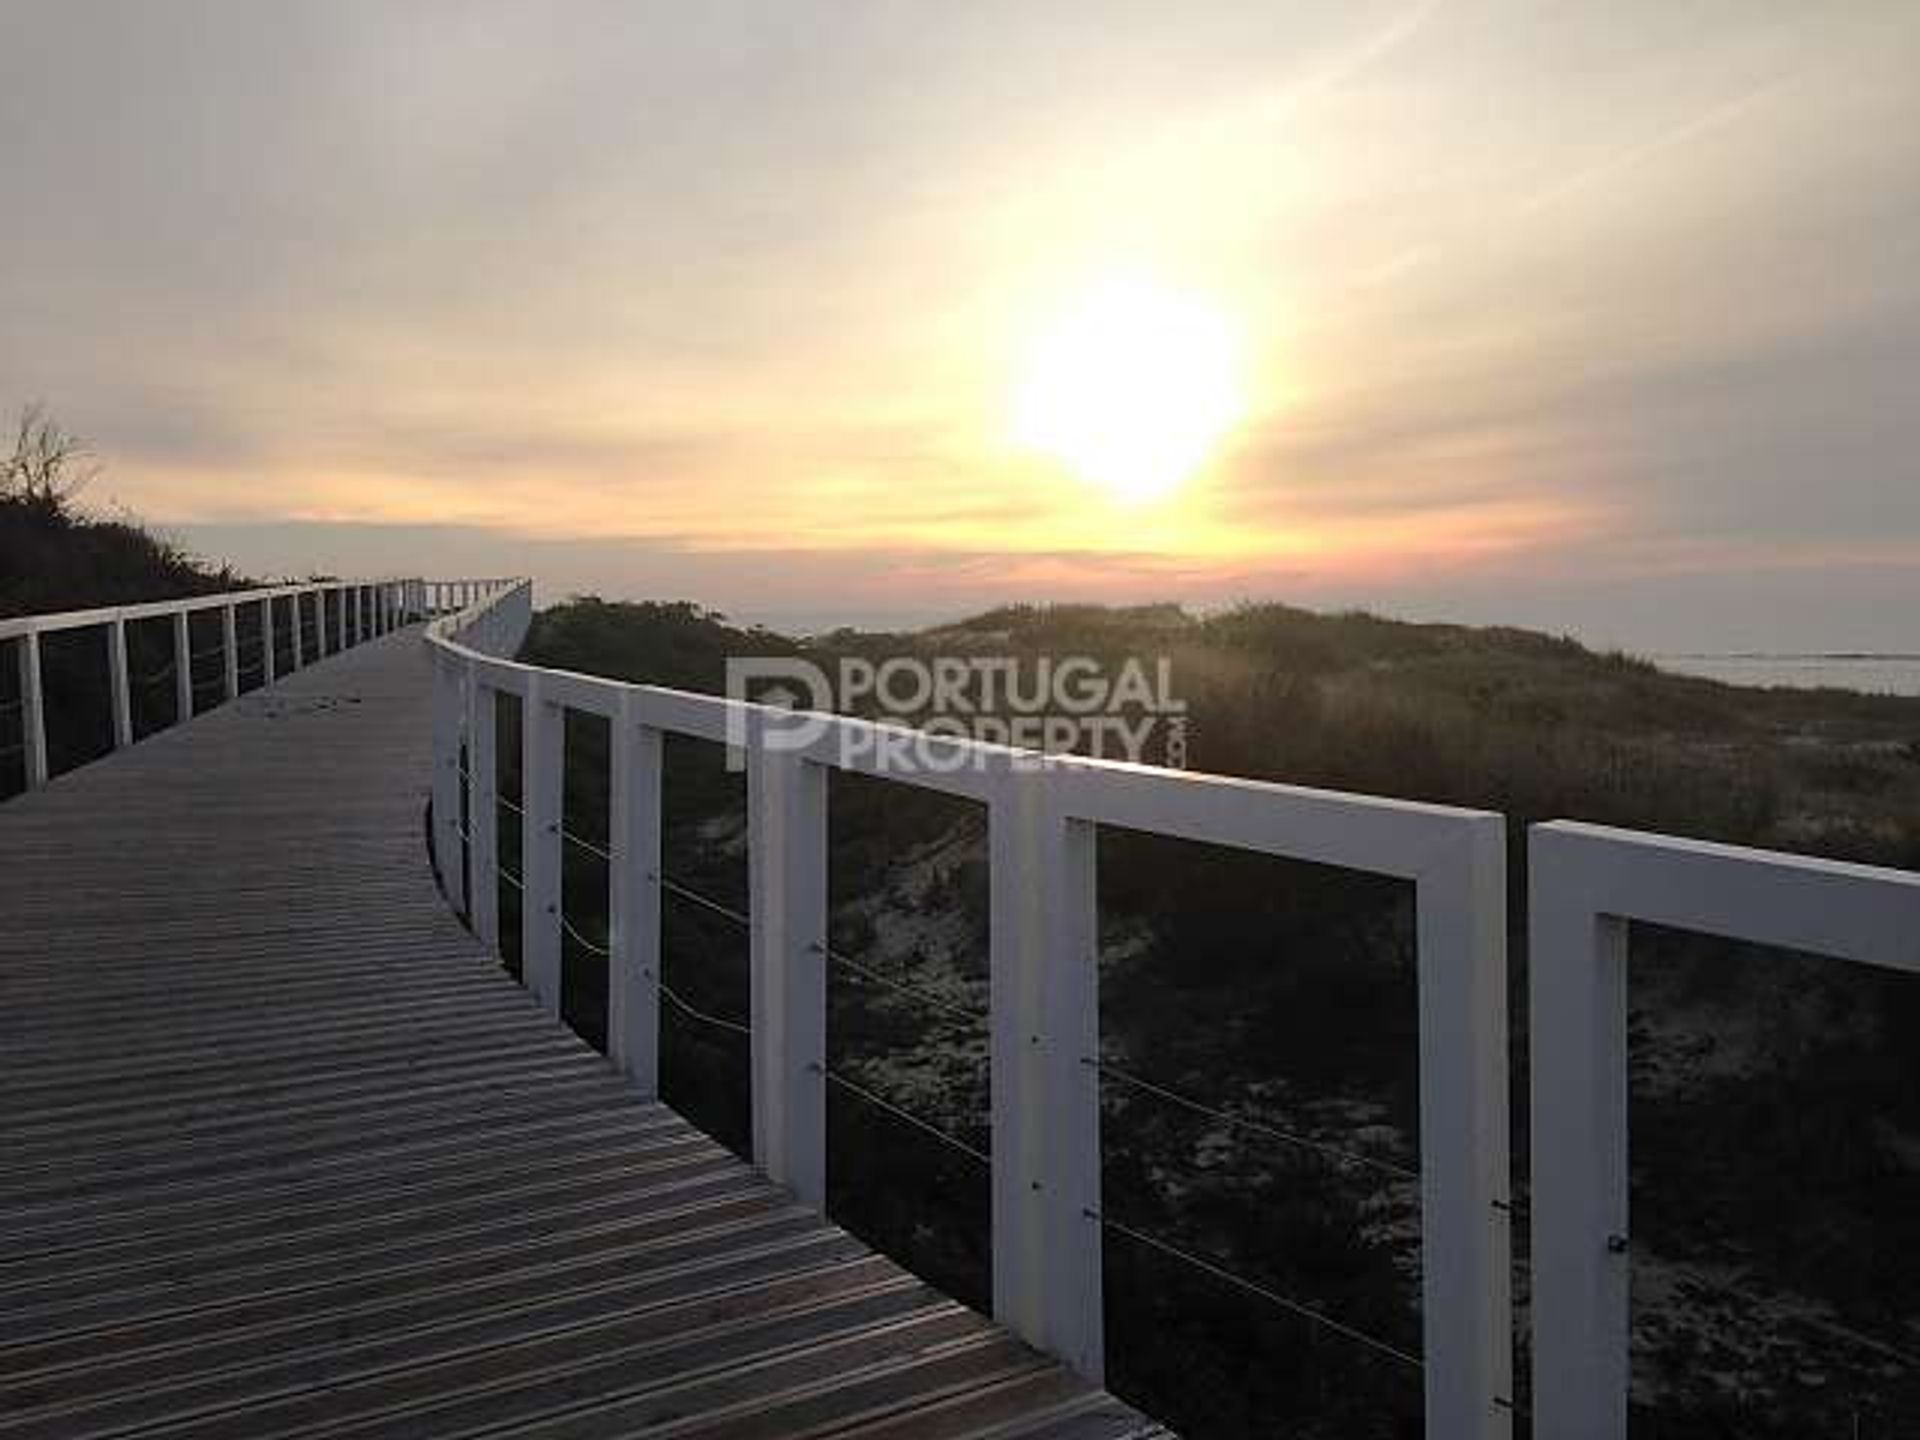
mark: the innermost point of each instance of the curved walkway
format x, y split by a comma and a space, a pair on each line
283, 1152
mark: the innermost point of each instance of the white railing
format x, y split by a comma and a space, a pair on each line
1042, 814
363, 610
1587, 885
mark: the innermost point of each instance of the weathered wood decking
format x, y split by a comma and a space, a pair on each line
283, 1152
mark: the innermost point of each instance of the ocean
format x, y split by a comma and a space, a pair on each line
1882, 674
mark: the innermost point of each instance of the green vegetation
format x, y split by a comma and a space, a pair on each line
55, 555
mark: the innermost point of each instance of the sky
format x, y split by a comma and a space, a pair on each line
1591, 317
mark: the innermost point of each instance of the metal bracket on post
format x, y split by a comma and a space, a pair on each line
542, 771
1046, 1111
633, 965
787, 879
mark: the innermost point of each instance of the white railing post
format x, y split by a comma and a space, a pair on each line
633, 932
182, 668
1046, 1095
299, 624
229, 653
320, 619
542, 773
1466, 1266
268, 669
787, 883
33, 713
483, 817
1577, 983
119, 686
447, 787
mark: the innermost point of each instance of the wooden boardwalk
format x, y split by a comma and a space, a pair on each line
283, 1152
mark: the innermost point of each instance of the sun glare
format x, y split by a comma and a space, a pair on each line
1129, 388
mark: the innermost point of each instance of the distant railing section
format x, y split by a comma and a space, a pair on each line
320, 618
1042, 813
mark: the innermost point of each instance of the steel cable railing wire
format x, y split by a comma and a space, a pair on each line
832, 1076
573, 933
1832, 1329
581, 843
926, 1127
686, 1007
1274, 1297
1325, 1150
694, 897
667, 992
901, 987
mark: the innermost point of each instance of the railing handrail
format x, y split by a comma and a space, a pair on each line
1047, 1220
43, 622
364, 609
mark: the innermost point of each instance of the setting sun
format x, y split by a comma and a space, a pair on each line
1130, 387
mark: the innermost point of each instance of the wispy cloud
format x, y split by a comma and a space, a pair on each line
724, 282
